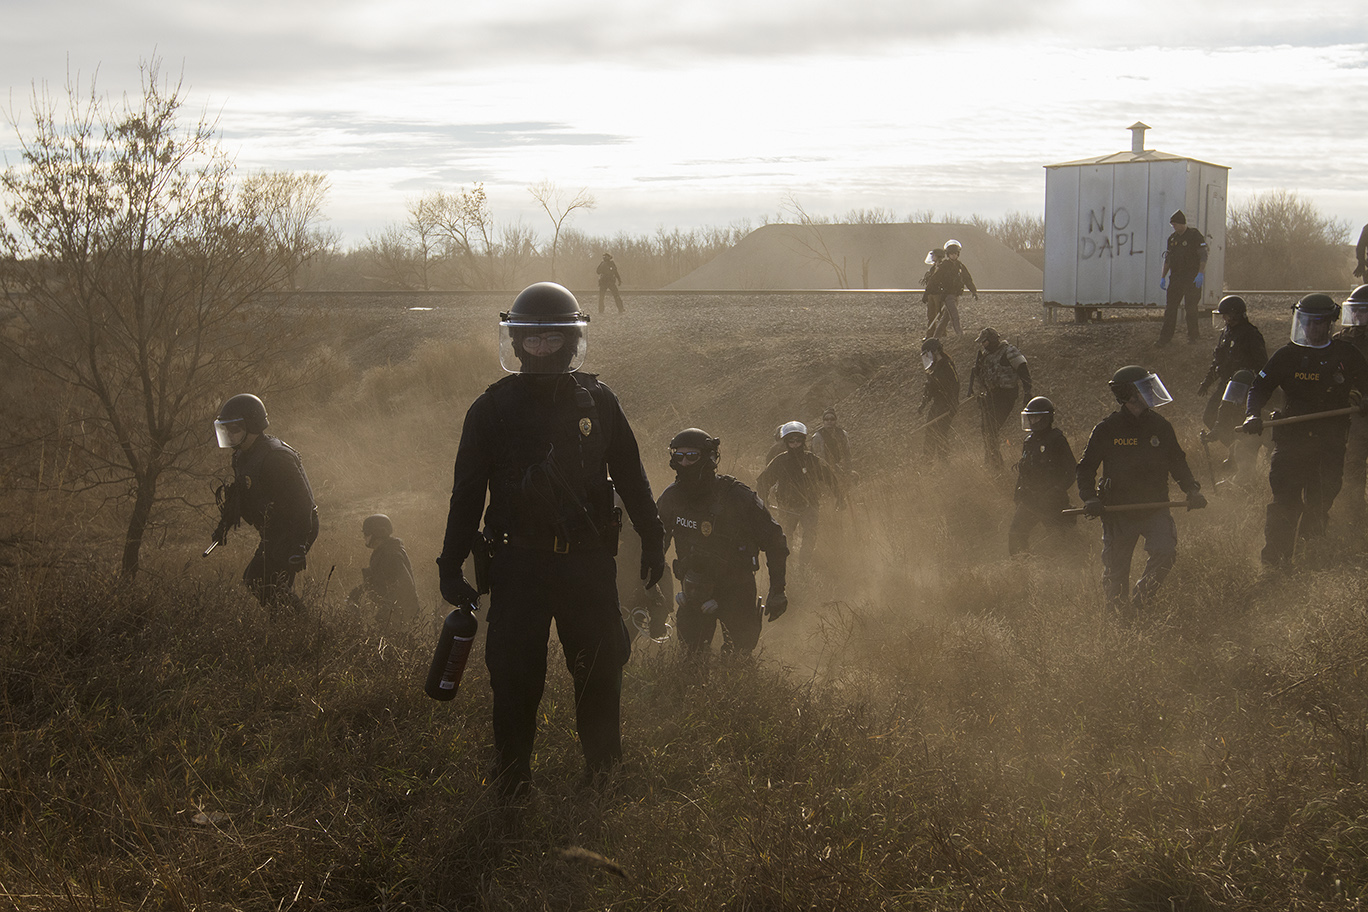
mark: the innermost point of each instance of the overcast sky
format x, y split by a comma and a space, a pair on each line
685, 114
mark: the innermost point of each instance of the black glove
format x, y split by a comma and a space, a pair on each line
1206, 385
457, 591
652, 565
1357, 399
1252, 425
1092, 507
1361, 272
776, 603
1196, 500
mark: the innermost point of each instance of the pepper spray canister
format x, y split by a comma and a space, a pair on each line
453, 648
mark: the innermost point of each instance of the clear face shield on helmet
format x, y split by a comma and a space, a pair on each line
230, 433
1218, 321
543, 348
1352, 314
1311, 330
1152, 391
1236, 393
928, 359
1035, 421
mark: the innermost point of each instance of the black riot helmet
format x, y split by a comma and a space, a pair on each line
1311, 319
1232, 306
241, 415
544, 332
1038, 415
989, 339
1133, 379
377, 525
1355, 309
683, 444
930, 348
694, 457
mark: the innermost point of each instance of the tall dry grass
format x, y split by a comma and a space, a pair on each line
933, 725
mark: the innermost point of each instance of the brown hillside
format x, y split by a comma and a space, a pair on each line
871, 256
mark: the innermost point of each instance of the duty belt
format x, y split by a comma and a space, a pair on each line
544, 543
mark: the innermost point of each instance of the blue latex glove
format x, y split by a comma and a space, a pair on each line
1198, 281
1163, 284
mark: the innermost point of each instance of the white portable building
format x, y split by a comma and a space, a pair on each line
1107, 225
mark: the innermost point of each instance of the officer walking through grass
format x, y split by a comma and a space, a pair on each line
1240, 348
550, 445
998, 368
940, 399
1354, 319
271, 493
800, 480
1318, 374
1137, 452
1044, 475
719, 527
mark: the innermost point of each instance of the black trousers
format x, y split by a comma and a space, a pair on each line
271, 578
1305, 473
737, 611
995, 408
1180, 294
528, 590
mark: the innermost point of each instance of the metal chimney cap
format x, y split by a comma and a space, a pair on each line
1138, 137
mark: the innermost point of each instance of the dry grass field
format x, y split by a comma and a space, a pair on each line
933, 725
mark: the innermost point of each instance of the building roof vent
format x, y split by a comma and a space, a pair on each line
1138, 137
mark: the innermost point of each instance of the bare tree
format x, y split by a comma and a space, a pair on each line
559, 205
1277, 240
290, 205
424, 236
811, 241
465, 223
136, 282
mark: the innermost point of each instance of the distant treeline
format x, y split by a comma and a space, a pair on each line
1274, 241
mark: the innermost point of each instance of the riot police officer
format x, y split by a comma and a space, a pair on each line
719, 526
1137, 451
388, 582
1044, 474
1240, 347
271, 493
1354, 319
550, 445
800, 480
998, 367
941, 396
1316, 373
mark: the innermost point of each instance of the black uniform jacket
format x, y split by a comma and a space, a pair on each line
1314, 380
550, 450
390, 575
949, 277
1186, 254
801, 478
1137, 454
1046, 470
721, 530
275, 496
1241, 347
942, 388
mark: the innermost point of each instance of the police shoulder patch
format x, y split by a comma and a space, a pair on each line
705, 528
586, 426
1154, 441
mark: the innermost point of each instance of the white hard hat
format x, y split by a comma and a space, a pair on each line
793, 427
